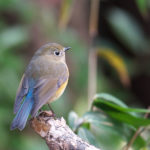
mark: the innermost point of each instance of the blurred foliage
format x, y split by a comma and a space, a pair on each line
14, 35
129, 41
18, 19
113, 122
116, 62
65, 14
128, 31
143, 6
26, 25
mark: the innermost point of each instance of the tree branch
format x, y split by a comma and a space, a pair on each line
57, 134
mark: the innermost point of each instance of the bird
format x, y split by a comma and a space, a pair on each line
43, 82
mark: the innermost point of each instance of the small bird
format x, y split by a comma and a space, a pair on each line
44, 81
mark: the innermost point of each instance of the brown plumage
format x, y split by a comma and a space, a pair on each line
44, 81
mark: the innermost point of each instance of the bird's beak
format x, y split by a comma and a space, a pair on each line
67, 48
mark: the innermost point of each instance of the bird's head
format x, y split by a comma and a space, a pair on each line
53, 51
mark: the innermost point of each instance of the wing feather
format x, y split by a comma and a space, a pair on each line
44, 90
21, 92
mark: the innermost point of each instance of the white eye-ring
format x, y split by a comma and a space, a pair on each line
57, 53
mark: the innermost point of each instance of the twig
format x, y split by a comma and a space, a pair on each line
138, 132
92, 76
93, 22
92, 73
57, 134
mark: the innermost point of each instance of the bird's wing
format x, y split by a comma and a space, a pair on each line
44, 90
21, 92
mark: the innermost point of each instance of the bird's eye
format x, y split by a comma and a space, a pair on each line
57, 53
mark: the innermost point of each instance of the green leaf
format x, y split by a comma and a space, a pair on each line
110, 98
87, 136
143, 6
129, 119
72, 120
114, 103
86, 125
97, 119
119, 111
107, 129
139, 143
102, 121
105, 135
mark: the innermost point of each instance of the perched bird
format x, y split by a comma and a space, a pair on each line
44, 81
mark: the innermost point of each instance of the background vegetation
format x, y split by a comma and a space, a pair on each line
110, 56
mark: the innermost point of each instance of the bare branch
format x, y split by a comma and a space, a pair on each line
57, 134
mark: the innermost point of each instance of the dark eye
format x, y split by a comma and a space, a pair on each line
57, 53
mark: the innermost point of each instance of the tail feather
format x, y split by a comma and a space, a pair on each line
22, 115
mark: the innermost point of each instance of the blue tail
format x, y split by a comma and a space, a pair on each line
23, 113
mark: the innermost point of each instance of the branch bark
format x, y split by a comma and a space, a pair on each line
57, 134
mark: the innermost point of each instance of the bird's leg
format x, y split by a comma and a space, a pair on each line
53, 113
